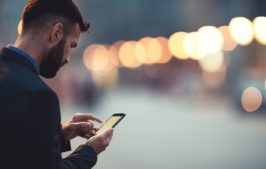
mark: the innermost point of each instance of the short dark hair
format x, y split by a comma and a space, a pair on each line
36, 12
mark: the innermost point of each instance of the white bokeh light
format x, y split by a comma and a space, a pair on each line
241, 30
210, 39
260, 29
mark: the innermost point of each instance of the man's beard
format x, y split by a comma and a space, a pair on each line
51, 64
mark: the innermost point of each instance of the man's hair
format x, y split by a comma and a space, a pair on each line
37, 13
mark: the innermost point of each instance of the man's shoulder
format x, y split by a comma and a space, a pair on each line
18, 78
12, 57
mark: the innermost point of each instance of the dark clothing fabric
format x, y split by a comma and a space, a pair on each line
25, 55
30, 122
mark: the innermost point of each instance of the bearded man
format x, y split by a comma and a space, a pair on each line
32, 136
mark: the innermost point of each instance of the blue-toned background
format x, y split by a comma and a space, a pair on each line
200, 112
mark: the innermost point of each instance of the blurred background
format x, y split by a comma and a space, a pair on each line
189, 74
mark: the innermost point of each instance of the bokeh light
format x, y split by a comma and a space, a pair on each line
229, 43
128, 56
140, 52
87, 55
114, 53
166, 54
260, 29
214, 80
105, 80
176, 46
153, 50
212, 62
97, 58
141, 49
210, 39
251, 99
241, 30
191, 46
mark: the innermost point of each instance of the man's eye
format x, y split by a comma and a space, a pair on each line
74, 45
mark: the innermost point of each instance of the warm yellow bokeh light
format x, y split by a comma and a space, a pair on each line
213, 62
241, 30
229, 43
251, 99
154, 51
100, 59
20, 27
97, 58
114, 52
260, 29
192, 48
140, 52
106, 80
142, 44
87, 55
210, 39
176, 46
166, 54
127, 55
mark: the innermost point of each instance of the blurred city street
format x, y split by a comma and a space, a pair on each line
190, 76
192, 132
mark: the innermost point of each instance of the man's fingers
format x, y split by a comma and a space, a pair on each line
108, 135
95, 129
85, 117
83, 126
87, 136
100, 142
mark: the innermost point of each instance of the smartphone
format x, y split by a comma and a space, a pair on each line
111, 122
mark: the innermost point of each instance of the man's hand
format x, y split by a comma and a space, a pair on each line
100, 142
80, 125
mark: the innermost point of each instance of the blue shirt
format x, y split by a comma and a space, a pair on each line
27, 56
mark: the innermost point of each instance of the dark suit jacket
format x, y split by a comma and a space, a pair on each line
30, 131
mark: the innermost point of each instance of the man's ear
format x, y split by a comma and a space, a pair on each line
56, 34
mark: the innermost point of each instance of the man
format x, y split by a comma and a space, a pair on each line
32, 136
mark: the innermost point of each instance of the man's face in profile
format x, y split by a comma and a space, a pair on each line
52, 63
59, 55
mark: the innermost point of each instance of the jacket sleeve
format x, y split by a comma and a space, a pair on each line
44, 137
65, 145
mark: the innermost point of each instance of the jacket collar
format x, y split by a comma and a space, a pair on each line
16, 57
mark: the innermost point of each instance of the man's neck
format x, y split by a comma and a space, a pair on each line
31, 48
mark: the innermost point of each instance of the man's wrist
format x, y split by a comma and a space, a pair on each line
65, 143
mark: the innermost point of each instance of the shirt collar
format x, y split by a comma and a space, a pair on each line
27, 56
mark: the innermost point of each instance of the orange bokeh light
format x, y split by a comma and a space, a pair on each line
166, 54
127, 55
229, 43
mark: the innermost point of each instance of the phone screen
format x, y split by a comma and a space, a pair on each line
111, 122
